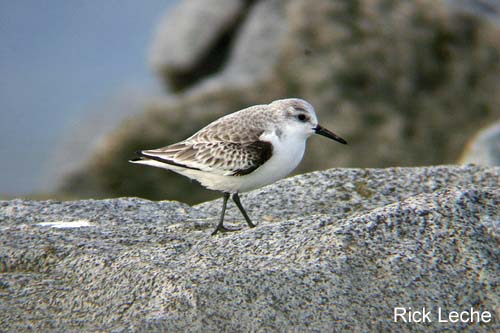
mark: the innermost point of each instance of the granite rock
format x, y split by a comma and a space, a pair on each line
334, 250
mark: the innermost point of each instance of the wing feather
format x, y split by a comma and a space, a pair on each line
224, 158
227, 147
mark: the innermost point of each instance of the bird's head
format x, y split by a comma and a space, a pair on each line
300, 118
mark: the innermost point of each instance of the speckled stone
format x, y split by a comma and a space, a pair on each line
334, 250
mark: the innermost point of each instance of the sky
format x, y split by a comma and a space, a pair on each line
61, 61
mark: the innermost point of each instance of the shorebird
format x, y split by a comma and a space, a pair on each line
243, 150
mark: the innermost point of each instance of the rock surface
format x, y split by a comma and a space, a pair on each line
335, 250
405, 82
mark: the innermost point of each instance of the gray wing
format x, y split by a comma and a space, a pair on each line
224, 158
218, 148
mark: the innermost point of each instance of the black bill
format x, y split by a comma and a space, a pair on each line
323, 131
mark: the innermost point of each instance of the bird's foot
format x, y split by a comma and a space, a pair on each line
251, 225
222, 228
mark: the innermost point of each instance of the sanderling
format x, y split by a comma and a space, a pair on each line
243, 151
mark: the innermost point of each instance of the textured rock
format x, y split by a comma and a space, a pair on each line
484, 147
334, 251
405, 82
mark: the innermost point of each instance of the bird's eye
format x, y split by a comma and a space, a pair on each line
302, 117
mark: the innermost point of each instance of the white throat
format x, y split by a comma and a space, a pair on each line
288, 150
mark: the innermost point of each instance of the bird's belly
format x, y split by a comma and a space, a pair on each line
284, 160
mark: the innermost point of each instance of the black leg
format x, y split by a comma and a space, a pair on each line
220, 227
237, 201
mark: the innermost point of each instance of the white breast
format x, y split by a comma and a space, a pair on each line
287, 154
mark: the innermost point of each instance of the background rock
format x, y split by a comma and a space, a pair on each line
334, 250
484, 147
192, 39
489, 9
405, 82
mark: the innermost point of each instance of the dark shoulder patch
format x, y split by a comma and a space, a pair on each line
259, 152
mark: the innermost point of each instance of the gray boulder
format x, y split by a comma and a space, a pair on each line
335, 250
237, 41
189, 37
489, 9
484, 147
